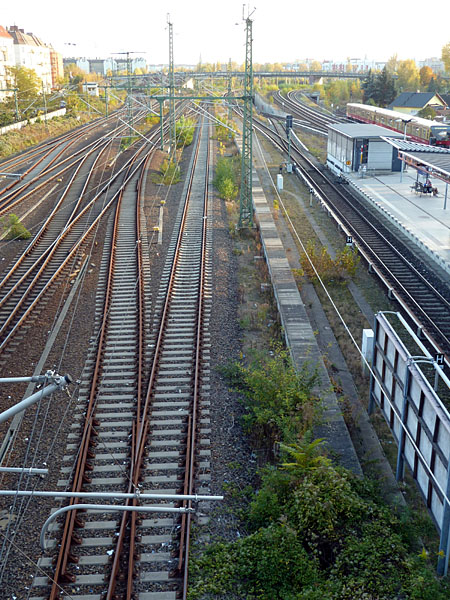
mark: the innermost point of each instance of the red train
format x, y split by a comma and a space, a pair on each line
417, 129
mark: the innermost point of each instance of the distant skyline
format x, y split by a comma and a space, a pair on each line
282, 31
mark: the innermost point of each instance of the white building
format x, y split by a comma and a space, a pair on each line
32, 53
91, 88
6, 60
436, 64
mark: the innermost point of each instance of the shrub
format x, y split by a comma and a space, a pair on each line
184, 131
339, 269
226, 178
279, 400
227, 190
14, 228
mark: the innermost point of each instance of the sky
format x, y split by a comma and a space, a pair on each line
283, 31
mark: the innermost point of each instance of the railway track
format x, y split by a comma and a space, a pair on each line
304, 116
57, 246
33, 164
142, 420
423, 297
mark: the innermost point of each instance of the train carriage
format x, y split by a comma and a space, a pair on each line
417, 129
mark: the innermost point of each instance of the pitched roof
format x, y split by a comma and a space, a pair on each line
20, 37
4, 33
446, 99
413, 99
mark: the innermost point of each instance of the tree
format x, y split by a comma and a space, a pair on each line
379, 89
437, 84
427, 113
426, 75
316, 66
392, 64
446, 57
73, 74
368, 86
28, 85
408, 76
384, 92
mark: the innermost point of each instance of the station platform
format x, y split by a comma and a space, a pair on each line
421, 217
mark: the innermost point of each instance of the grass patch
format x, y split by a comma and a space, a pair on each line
169, 173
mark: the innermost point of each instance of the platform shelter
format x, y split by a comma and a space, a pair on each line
361, 146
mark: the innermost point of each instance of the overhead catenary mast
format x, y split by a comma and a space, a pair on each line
172, 135
246, 204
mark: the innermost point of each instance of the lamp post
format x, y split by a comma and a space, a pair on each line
405, 123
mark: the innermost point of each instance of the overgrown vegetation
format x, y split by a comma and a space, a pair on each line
184, 131
224, 133
340, 269
18, 140
14, 229
279, 401
127, 141
226, 178
169, 173
317, 532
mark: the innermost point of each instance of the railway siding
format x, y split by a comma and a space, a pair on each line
298, 332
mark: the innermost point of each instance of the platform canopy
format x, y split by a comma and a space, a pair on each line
433, 160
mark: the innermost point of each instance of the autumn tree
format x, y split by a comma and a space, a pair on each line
426, 75
28, 86
446, 57
408, 76
316, 66
392, 64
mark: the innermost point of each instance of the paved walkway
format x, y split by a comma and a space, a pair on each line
422, 218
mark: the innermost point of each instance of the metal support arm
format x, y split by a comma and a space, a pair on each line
59, 382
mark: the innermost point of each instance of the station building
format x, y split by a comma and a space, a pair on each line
356, 146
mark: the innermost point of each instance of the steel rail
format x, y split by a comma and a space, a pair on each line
133, 481
186, 518
6, 204
142, 420
46, 256
34, 243
37, 150
60, 571
133, 166
71, 253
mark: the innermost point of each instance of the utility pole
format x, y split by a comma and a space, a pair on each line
172, 135
129, 92
246, 204
45, 103
230, 111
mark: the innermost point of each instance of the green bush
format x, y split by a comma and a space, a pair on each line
226, 178
317, 532
184, 131
279, 400
339, 269
14, 228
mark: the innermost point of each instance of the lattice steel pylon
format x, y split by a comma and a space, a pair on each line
246, 204
172, 133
